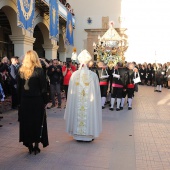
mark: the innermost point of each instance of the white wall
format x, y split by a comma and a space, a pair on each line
95, 9
148, 30
147, 22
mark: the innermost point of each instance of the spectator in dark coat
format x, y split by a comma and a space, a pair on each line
32, 95
56, 77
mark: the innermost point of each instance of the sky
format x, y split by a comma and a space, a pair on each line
148, 24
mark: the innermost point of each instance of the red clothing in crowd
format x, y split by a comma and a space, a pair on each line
68, 74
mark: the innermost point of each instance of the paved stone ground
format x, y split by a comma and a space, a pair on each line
138, 139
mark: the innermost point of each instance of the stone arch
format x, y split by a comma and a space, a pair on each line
42, 23
41, 34
45, 31
50, 46
22, 39
10, 9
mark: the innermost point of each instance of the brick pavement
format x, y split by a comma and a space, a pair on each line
137, 139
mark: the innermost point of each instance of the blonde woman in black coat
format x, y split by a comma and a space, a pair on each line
32, 94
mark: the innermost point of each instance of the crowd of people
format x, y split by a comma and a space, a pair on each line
122, 81
155, 74
58, 74
33, 81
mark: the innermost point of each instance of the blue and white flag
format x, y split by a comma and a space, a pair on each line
26, 9
54, 20
69, 30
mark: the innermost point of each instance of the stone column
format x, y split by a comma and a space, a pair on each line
22, 44
92, 36
50, 51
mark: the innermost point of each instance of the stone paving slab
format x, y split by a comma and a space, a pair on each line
137, 139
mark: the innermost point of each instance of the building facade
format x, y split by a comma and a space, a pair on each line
146, 22
92, 20
16, 41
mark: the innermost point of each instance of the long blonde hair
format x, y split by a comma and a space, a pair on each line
31, 60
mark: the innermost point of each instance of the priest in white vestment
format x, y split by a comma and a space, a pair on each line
83, 113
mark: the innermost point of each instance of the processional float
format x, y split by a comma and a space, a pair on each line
111, 47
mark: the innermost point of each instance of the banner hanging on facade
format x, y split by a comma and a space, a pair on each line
26, 9
54, 19
69, 30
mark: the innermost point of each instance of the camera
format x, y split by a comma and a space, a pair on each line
68, 65
55, 68
42, 63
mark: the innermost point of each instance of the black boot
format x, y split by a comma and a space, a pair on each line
30, 148
36, 149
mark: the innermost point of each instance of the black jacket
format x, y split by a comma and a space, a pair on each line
55, 76
123, 72
32, 116
35, 86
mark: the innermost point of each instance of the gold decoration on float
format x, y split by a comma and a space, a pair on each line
111, 47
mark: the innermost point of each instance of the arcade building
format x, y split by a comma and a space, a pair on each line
16, 41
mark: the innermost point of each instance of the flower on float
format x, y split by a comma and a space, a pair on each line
105, 61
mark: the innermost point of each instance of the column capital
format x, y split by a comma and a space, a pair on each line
50, 47
22, 38
50, 51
